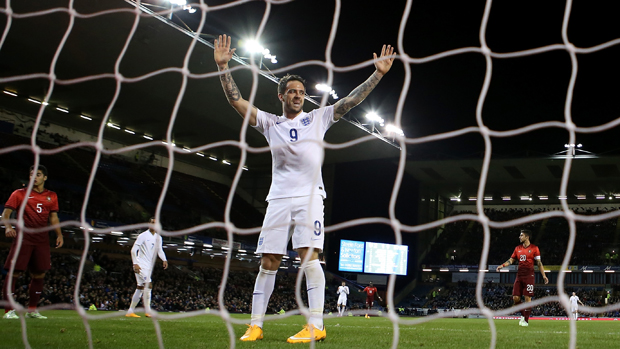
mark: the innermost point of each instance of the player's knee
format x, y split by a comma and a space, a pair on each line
516, 299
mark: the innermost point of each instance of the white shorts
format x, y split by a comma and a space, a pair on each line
574, 309
143, 277
342, 301
299, 217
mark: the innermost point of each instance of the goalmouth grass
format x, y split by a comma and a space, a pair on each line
64, 329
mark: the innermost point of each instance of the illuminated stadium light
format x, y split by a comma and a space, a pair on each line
567, 271
171, 244
200, 154
130, 131
506, 198
374, 117
10, 93
393, 129
85, 117
599, 196
213, 158
125, 239
485, 270
543, 197
242, 251
245, 168
181, 249
187, 149
454, 198
587, 271
525, 198
286, 257
326, 88
37, 101
62, 110
609, 271
616, 196
188, 243
426, 269
225, 248
443, 269
114, 126
473, 198
116, 232
147, 137
226, 162
207, 245
562, 197
488, 198
504, 270
580, 197
464, 270
166, 143
97, 238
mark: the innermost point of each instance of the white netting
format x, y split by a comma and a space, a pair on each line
139, 12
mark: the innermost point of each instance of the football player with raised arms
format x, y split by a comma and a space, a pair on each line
296, 194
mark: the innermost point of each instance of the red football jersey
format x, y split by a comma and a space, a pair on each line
370, 291
36, 213
526, 257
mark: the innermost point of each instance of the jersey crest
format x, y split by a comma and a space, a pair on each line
305, 121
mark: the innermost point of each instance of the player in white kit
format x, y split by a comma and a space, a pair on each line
342, 292
145, 250
574, 307
296, 195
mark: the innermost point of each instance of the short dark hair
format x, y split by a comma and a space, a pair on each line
41, 168
286, 79
527, 232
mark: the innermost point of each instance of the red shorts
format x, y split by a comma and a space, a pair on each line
30, 257
369, 301
524, 286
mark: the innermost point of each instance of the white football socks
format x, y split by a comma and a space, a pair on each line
315, 283
147, 300
134, 301
263, 288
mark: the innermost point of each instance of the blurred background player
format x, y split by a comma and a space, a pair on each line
574, 307
370, 297
143, 255
342, 292
526, 253
296, 194
34, 255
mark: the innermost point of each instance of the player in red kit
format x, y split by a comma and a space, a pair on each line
34, 255
527, 254
370, 296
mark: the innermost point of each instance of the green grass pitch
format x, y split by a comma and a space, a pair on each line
64, 329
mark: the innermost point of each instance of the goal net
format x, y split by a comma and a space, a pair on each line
70, 18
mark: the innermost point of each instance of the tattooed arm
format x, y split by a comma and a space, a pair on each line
222, 55
362, 91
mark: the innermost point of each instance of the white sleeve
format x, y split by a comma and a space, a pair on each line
346, 289
136, 248
160, 252
264, 121
338, 292
327, 117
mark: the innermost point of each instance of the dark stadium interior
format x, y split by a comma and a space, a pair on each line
440, 178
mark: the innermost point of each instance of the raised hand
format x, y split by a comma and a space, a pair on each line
383, 66
222, 52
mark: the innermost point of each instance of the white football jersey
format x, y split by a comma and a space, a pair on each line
343, 291
574, 300
144, 250
296, 151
